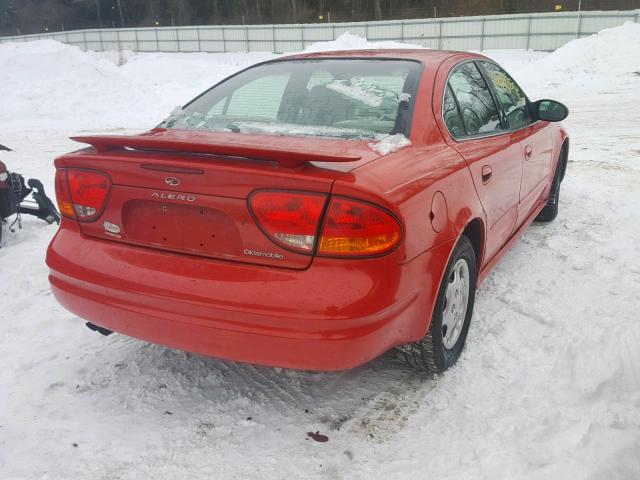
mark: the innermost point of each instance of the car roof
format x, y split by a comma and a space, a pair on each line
424, 55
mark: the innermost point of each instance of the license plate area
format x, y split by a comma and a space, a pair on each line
191, 228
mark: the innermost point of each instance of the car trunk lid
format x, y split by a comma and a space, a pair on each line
188, 194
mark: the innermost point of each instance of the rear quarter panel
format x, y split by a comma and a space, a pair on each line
406, 181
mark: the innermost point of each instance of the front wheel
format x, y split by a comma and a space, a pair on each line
550, 210
443, 343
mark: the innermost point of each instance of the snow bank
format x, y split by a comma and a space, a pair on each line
610, 52
50, 85
349, 41
47, 83
590, 63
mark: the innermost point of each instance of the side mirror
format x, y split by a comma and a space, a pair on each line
550, 110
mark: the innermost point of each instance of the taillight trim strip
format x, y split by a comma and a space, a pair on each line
284, 246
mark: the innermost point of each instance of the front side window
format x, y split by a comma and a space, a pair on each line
477, 108
512, 98
345, 98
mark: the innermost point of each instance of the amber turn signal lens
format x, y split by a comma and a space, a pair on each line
63, 197
354, 228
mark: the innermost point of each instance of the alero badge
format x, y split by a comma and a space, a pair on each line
174, 196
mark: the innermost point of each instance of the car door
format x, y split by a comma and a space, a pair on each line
474, 120
533, 136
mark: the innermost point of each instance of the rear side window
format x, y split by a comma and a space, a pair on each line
477, 108
451, 115
512, 98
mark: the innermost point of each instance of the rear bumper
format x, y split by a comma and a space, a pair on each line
334, 315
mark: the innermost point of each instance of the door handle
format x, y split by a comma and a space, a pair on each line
486, 174
527, 152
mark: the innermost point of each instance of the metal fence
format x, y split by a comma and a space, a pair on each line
542, 31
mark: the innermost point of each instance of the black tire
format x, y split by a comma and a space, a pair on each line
550, 210
430, 353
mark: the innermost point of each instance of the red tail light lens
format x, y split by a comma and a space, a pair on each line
291, 219
354, 228
81, 194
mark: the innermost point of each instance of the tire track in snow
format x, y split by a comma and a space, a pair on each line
386, 414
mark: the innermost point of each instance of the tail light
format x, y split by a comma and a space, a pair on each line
351, 227
81, 194
355, 228
290, 218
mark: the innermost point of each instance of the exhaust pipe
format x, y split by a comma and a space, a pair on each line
98, 329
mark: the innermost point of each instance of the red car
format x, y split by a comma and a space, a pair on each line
312, 211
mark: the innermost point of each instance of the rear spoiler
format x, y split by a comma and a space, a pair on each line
263, 147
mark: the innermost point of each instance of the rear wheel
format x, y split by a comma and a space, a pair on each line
447, 333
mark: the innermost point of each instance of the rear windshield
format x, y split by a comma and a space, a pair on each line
345, 98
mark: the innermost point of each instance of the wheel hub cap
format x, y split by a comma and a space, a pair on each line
454, 311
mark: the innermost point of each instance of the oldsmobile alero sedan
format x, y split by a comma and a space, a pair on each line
312, 211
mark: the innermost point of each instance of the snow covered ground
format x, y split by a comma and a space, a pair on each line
548, 386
